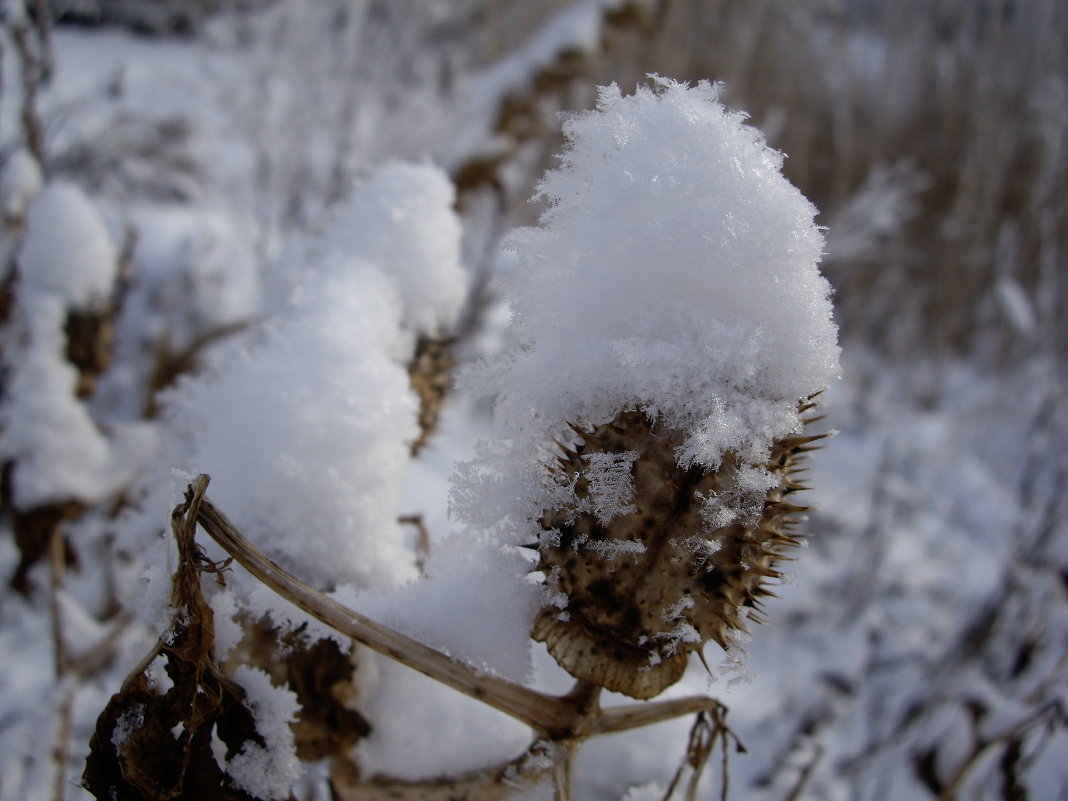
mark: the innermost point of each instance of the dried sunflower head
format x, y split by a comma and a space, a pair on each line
664, 566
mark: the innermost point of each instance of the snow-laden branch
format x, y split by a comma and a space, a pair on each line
576, 715
535, 709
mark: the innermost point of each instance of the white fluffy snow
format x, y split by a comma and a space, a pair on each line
67, 249
676, 270
20, 183
860, 664
424, 730
401, 219
474, 603
304, 424
268, 771
59, 452
651, 791
305, 434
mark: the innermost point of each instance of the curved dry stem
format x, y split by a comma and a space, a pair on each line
563, 762
544, 713
561, 722
494, 784
635, 716
1050, 711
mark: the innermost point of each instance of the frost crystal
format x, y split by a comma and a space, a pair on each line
130, 720
611, 489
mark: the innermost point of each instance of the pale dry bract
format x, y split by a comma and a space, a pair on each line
671, 325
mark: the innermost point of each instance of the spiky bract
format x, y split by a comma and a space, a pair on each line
640, 591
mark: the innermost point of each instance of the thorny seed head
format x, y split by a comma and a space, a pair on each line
639, 589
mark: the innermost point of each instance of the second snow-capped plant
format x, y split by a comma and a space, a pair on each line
673, 328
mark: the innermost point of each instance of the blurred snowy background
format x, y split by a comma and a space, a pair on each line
179, 183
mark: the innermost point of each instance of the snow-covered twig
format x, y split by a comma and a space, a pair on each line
540, 712
575, 716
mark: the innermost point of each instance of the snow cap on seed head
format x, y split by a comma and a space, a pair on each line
676, 271
673, 328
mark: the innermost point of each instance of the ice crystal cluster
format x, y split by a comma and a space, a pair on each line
672, 325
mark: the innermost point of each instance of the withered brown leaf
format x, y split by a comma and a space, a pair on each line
152, 745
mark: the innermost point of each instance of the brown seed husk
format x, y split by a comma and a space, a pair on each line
633, 616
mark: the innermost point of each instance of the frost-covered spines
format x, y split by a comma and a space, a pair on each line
639, 590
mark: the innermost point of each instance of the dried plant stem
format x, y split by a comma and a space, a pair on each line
57, 571
61, 743
170, 365
575, 716
33, 62
635, 716
797, 793
1045, 714
542, 713
96, 658
61, 660
495, 784
708, 729
422, 549
563, 760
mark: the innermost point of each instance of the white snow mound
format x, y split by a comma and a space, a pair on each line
676, 270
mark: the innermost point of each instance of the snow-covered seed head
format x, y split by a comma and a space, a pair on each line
671, 570
669, 303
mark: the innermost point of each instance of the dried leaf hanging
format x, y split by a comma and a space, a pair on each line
160, 745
